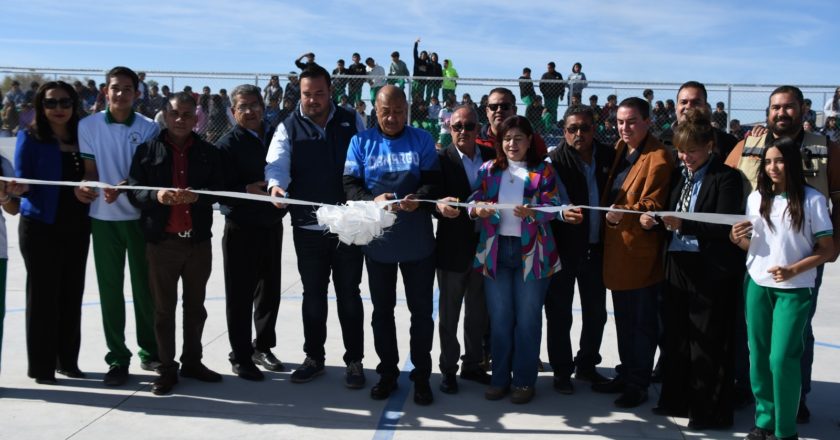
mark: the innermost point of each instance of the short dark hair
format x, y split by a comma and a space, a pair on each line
551, 63
395, 54
531, 157
646, 93
316, 71
694, 85
247, 89
181, 98
369, 59
792, 90
612, 97
580, 110
526, 70
123, 71
340, 61
356, 54
720, 104
806, 101
504, 91
637, 103
593, 98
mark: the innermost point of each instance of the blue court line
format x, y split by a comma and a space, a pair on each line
393, 410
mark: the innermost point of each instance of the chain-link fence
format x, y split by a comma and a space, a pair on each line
542, 101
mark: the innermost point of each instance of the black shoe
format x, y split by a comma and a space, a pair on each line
383, 389
46, 381
803, 415
590, 375
632, 397
423, 392
248, 371
151, 365
164, 383
476, 375
308, 370
200, 372
669, 412
696, 425
563, 385
267, 360
73, 373
759, 434
611, 386
354, 376
448, 384
117, 375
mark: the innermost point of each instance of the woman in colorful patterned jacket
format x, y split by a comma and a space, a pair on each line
517, 254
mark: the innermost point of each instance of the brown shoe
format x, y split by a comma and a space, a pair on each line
522, 394
496, 393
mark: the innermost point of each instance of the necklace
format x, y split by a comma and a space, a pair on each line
510, 175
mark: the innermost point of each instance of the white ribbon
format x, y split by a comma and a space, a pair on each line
360, 222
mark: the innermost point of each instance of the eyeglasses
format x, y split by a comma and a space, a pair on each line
469, 126
255, 107
53, 103
584, 128
505, 106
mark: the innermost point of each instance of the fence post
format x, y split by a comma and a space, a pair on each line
729, 106
172, 84
257, 80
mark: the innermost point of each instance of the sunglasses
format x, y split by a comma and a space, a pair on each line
469, 126
505, 106
584, 128
53, 103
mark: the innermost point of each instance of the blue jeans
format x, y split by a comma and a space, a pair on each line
515, 308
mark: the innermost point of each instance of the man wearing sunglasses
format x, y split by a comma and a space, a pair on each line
501, 104
582, 163
456, 242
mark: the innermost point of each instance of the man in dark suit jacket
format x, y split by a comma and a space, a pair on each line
456, 244
582, 164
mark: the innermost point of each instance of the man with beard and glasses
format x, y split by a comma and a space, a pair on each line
582, 164
821, 167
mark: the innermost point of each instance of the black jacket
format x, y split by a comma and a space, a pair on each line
721, 192
152, 166
456, 238
244, 159
573, 240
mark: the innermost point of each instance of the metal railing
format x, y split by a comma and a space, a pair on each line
535, 98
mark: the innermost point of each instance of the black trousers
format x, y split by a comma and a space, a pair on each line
55, 256
418, 279
700, 313
252, 286
458, 288
318, 254
588, 272
636, 327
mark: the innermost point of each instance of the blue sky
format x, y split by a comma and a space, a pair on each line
766, 42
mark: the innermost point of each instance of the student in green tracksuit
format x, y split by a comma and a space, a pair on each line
107, 141
791, 236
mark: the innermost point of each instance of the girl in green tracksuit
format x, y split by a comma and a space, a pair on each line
790, 237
